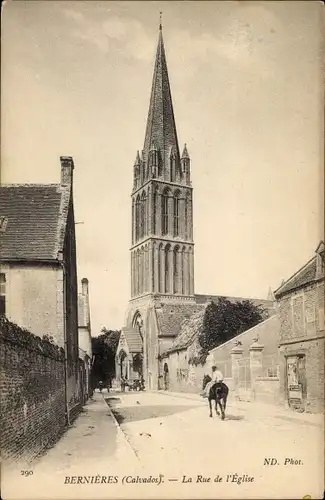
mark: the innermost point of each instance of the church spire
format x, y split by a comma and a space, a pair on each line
161, 128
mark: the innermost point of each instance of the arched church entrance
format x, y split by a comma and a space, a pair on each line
124, 366
166, 377
137, 324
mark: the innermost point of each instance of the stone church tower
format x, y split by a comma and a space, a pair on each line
162, 251
162, 247
162, 225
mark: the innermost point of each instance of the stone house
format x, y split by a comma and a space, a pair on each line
38, 265
300, 305
84, 334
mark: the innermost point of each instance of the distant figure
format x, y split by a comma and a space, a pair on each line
100, 385
123, 384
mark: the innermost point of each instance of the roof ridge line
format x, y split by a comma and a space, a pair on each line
28, 184
245, 331
294, 275
230, 296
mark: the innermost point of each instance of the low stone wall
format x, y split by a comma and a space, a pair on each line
32, 394
247, 363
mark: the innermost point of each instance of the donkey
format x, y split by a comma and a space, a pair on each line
218, 392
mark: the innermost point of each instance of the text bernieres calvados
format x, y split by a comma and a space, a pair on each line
99, 479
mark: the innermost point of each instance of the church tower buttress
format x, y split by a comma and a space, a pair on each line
162, 251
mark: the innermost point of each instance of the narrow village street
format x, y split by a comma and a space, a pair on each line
172, 435
167, 429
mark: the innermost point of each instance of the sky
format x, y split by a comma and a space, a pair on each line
247, 88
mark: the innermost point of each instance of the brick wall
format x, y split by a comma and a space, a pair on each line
32, 392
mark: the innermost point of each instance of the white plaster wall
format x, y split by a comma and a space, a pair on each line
34, 299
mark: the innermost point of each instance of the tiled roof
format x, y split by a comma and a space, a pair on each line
305, 275
203, 298
133, 340
36, 221
190, 330
171, 316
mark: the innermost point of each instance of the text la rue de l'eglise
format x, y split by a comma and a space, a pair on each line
101, 479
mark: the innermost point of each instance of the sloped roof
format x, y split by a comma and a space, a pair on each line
161, 128
204, 298
133, 340
190, 329
37, 216
304, 276
171, 316
268, 333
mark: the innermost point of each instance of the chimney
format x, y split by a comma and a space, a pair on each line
85, 294
84, 286
67, 167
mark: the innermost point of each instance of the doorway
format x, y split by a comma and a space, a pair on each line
166, 377
296, 382
124, 365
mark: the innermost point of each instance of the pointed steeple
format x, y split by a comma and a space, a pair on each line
137, 159
185, 152
270, 295
161, 128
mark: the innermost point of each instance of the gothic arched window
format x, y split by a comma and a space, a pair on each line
167, 269
183, 272
160, 268
143, 215
138, 272
137, 218
164, 212
142, 270
186, 221
176, 270
154, 209
133, 220
176, 213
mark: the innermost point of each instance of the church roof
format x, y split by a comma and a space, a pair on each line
265, 304
171, 316
161, 128
133, 340
189, 331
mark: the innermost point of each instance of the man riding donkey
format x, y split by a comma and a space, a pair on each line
215, 388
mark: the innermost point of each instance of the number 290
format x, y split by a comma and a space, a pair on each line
26, 473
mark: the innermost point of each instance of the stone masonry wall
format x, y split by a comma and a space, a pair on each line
32, 393
301, 314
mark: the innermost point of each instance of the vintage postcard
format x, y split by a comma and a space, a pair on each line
162, 250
